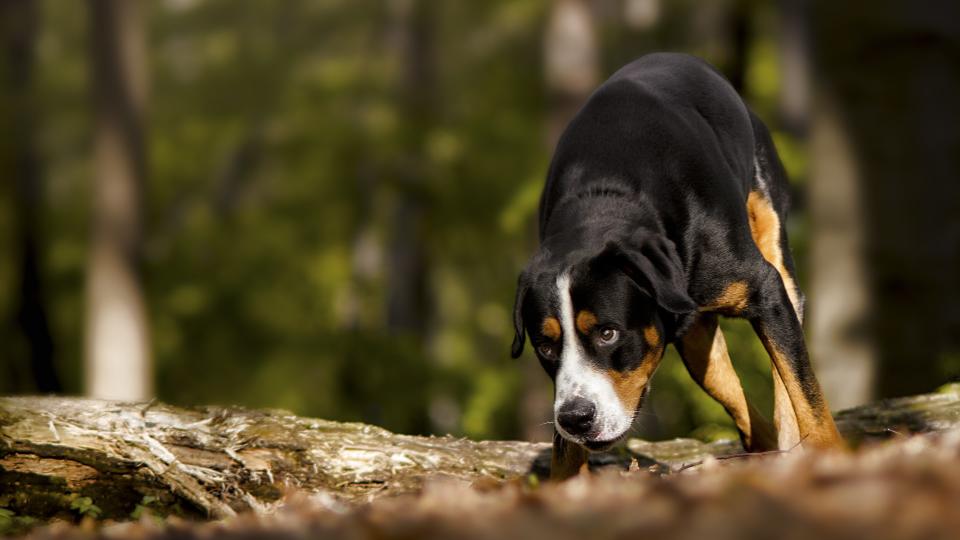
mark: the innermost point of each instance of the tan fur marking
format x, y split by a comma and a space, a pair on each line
765, 229
586, 320
792, 416
629, 385
551, 328
820, 433
733, 298
784, 419
705, 354
651, 335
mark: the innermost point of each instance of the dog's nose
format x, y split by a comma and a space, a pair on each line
576, 416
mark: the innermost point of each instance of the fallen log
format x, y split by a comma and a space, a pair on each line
70, 457
215, 461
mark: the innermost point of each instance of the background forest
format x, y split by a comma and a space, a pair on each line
324, 206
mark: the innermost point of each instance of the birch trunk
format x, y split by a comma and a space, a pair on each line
118, 364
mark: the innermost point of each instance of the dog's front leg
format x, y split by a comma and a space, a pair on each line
568, 458
704, 353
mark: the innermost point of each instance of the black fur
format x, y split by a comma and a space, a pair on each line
645, 207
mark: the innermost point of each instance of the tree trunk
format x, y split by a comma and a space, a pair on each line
842, 350
721, 32
891, 89
571, 63
795, 84
60, 455
19, 20
411, 38
117, 336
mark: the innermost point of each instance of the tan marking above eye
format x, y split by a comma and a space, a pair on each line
550, 328
651, 335
586, 320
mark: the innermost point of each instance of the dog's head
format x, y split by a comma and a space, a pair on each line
599, 320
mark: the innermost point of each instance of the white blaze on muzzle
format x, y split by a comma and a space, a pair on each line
578, 378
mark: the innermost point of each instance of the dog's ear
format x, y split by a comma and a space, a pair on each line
652, 263
523, 285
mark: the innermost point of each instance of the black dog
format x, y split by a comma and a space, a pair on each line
664, 207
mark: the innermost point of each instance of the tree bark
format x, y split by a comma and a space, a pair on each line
721, 32
571, 63
411, 37
117, 337
894, 87
19, 21
794, 55
217, 461
841, 345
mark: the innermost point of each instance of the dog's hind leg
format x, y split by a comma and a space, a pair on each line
704, 352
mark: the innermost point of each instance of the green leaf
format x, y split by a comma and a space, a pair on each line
85, 507
138, 511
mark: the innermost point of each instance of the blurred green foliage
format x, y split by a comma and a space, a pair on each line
275, 134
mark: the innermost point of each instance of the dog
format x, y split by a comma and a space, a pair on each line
664, 208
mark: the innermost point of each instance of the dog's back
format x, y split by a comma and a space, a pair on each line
662, 120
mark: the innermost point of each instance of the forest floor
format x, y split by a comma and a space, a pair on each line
906, 487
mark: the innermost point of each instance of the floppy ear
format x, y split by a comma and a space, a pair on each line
523, 285
653, 263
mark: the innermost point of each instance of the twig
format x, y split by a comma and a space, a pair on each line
149, 405
742, 455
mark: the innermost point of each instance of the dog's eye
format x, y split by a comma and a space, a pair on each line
608, 336
547, 350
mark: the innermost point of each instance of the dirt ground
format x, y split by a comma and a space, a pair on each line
903, 488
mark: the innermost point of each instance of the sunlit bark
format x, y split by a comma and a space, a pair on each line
842, 349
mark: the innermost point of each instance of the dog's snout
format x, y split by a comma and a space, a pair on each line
576, 416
